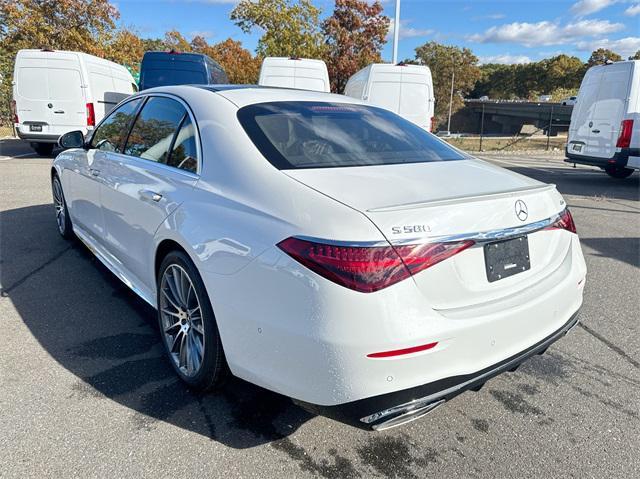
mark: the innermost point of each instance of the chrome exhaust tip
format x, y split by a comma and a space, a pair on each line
401, 414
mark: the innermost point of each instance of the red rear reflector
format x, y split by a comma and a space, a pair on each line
624, 139
368, 268
564, 222
14, 111
91, 115
400, 352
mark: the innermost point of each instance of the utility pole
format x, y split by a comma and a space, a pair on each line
396, 33
453, 74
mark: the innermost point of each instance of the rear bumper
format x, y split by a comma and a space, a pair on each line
618, 160
37, 137
395, 408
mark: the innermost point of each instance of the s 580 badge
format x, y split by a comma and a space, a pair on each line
407, 229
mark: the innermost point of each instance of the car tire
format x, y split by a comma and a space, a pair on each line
43, 149
191, 340
65, 228
619, 173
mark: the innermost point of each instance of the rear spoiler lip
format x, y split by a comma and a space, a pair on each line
462, 198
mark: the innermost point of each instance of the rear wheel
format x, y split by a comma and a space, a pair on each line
187, 324
62, 213
617, 172
43, 149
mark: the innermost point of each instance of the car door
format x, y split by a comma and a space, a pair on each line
86, 207
148, 181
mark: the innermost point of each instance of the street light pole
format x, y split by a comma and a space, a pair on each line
396, 32
453, 74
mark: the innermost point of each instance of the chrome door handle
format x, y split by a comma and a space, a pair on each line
59, 111
94, 172
150, 195
595, 131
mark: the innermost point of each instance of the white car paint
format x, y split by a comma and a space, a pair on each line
291, 330
300, 73
609, 94
403, 89
53, 89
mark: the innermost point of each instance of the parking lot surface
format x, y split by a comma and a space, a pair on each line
86, 392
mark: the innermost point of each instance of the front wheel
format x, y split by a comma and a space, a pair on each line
617, 172
187, 324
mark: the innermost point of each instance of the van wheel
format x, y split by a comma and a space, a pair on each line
43, 149
617, 172
187, 324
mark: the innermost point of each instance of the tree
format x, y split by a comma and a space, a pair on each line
635, 56
562, 71
354, 35
290, 29
127, 49
173, 40
445, 60
240, 65
602, 56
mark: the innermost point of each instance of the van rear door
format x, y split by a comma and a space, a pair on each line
582, 114
51, 94
384, 89
609, 108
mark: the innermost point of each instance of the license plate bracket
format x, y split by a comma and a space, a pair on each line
577, 147
35, 127
506, 258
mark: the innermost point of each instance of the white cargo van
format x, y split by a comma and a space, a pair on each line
300, 73
404, 89
55, 92
605, 122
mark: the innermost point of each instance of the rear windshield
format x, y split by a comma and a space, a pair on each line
295, 135
168, 76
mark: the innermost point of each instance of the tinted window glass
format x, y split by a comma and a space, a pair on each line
322, 135
169, 76
153, 131
184, 154
110, 134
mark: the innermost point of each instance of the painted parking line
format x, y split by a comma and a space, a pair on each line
5, 158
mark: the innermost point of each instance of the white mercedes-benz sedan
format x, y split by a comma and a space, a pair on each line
320, 247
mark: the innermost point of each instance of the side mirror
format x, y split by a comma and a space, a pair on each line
73, 139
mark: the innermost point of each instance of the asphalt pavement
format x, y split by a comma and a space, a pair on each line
86, 392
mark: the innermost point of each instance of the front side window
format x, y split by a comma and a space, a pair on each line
293, 135
110, 133
152, 134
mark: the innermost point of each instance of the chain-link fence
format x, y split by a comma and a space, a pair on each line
511, 143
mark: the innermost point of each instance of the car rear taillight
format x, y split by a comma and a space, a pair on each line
564, 222
624, 139
14, 111
368, 268
91, 115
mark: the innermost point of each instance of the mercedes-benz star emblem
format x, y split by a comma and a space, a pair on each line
521, 210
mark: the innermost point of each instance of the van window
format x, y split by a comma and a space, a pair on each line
32, 83
152, 133
110, 133
169, 76
293, 135
64, 85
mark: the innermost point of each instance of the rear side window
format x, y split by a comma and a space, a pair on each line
293, 135
109, 135
163, 133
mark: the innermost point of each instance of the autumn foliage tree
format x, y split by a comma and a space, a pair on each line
446, 61
354, 35
238, 62
602, 56
289, 28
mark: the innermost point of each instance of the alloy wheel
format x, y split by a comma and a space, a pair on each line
58, 204
181, 320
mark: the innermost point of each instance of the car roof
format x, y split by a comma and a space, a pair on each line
243, 95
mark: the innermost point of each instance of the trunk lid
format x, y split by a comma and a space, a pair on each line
431, 202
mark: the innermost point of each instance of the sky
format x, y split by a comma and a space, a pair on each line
498, 31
